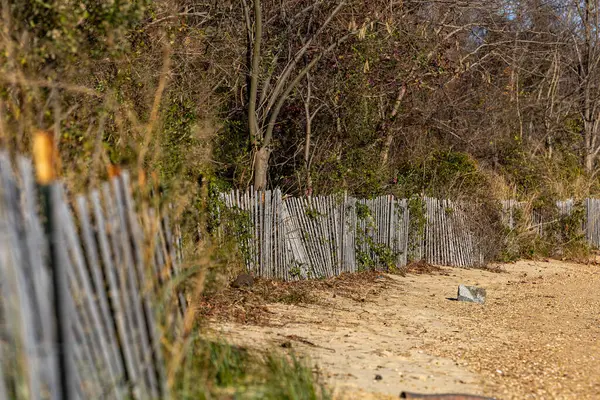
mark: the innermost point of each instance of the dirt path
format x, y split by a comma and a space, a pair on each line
536, 337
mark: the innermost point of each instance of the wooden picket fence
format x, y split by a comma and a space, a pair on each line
592, 222
295, 238
448, 239
513, 210
79, 280
292, 238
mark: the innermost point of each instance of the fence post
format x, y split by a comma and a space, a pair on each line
45, 159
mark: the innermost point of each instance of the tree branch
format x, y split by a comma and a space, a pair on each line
256, 56
293, 84
292, 65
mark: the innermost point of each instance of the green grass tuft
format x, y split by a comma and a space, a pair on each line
217, 370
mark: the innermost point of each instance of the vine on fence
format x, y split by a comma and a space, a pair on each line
377, 255
568, 232
238, 223
551, 233
313, 213
417, 223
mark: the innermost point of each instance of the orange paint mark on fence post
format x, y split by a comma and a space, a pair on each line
45, 157
114, 171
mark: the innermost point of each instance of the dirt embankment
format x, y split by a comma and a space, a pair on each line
536, 337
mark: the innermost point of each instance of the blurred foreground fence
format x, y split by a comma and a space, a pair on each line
291, 238
79, 282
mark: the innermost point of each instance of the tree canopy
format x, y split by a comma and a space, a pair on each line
442, 97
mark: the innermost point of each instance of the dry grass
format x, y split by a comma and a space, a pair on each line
424, 268
249, 306
497, 269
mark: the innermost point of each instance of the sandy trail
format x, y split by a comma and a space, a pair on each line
535, 338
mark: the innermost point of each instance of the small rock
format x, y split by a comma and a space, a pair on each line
378, 377
286, 345
472, 294
243, 280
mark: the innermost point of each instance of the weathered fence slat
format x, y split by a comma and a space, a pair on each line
40, 276
144, 285
350, 227
429, 223
335, 225
85, 306
93, 262
306, 213
310, 236
18, 309
135, 290
322, 223
277, 248
109, 237
62, 302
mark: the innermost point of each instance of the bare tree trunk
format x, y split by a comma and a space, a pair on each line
588, 156
254, 71
588, 125
589, 162
308, 131
385, 153
261, 168
307, 149
262, 123
585, 70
